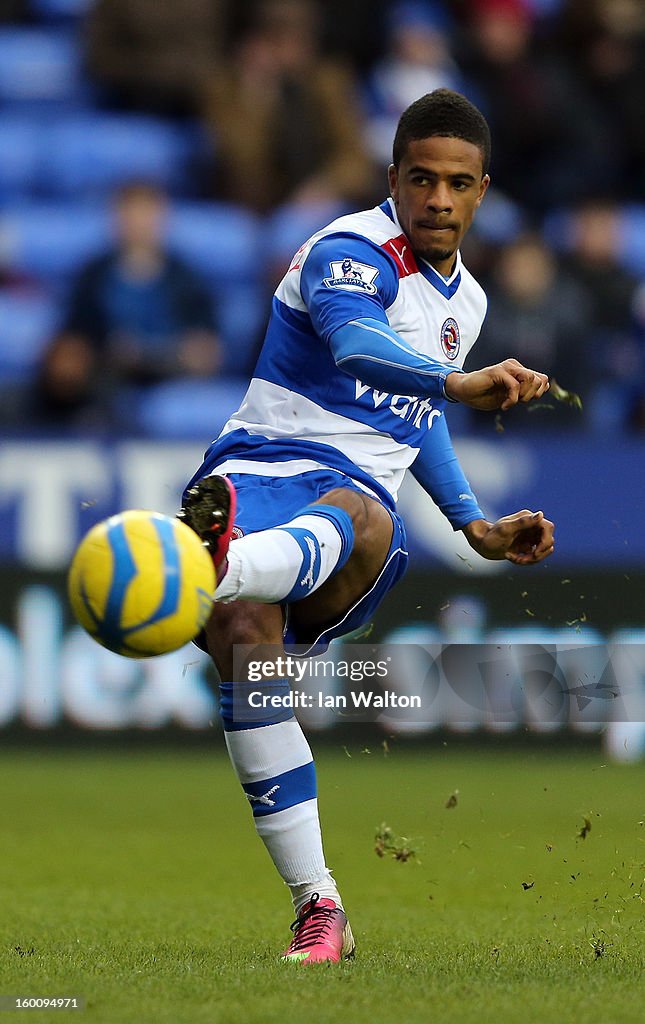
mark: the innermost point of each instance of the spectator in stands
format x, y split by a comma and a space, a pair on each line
548, 142
418, 60
137, 316
359, 35
612, 293
606, 44
286, 122
539, 313
152, 55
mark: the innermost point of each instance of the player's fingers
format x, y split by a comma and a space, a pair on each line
517, 521
518, 369
514, 366
528, 555
540, 555
533, 386
530, 558
522, 531
546, 542
512, 387
534, 543
547, 527
511, 528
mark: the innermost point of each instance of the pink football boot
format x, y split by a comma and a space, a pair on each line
209, 510
321, 933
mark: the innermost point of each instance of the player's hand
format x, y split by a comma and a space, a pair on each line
522, 538
497, 387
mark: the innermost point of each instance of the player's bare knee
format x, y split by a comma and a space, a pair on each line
350, 501
239, 625
370, 520
245, 622
372, 526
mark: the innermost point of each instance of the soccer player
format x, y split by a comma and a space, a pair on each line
363, 354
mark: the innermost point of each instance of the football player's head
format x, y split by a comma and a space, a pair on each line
439, 173
446, 113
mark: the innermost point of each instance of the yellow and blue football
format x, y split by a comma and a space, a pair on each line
141, 584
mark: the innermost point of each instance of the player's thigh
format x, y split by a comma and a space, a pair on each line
373, 530
242, 630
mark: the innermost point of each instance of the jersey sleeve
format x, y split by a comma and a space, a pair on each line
375, 354
346, 277
437, 469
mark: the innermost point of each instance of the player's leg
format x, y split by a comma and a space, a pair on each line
335, 548
373, 530
275, 766
265, 750
343, 530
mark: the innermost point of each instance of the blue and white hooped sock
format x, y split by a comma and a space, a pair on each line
288, 562
275, 765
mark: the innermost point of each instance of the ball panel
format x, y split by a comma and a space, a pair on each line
89, 579
153, 591
189, 602
142, 584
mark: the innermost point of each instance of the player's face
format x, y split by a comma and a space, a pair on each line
436, 188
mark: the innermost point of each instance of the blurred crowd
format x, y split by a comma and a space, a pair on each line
162, 161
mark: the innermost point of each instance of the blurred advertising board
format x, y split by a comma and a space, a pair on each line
573, 628
51, 492
464, 669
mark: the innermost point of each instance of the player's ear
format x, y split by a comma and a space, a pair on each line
482, 188
393, 181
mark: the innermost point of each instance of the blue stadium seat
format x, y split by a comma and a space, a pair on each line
632, 239
20, 154
242, 314
87, 155
292, 224
91, 154
188, 408
223, 241
499, 220
52, 240
27, 323
558, 232
39, 66
225, 244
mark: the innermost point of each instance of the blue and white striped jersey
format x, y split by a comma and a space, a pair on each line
302, 411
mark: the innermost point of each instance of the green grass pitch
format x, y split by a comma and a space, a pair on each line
134, 879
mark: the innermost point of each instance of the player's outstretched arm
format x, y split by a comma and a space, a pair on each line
496, 387
437, 469
523, 538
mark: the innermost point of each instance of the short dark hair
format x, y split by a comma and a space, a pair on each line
442, 112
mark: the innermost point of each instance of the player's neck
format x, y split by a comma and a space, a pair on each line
445, 268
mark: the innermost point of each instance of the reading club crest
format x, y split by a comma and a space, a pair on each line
352, 276
450, 338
